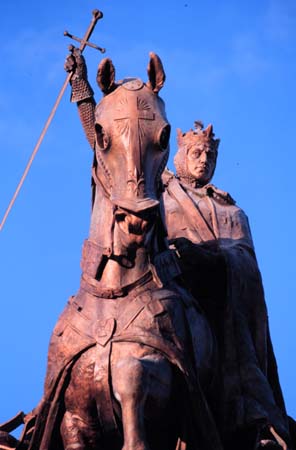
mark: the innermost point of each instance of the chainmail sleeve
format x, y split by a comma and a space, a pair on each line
82, 94
86, 110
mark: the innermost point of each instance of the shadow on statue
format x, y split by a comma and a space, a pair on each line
166, 345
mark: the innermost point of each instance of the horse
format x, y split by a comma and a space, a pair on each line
132, 355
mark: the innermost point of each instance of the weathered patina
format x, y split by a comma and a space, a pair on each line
162, 347
212, 236
212, 239
123, 368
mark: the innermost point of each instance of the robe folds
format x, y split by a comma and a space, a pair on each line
247, 389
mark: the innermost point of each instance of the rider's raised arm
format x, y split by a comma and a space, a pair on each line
82, 93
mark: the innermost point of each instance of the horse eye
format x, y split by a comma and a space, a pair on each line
164, 137
103, 140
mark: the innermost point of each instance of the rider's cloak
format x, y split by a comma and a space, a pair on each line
248, 389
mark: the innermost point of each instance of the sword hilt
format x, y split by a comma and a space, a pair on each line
97, 15
90, 44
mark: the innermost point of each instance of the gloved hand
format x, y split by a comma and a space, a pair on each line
81, 89
75, 63
203, 269
199, 256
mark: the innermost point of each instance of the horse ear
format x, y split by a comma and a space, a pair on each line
156, 73
106, 76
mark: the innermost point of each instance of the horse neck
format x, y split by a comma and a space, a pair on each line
124, 266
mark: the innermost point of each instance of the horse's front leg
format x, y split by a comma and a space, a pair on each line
141, 383
77, 432
80, 427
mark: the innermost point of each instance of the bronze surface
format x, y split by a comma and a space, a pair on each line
166, 345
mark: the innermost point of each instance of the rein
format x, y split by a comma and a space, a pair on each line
98, 181
92, 286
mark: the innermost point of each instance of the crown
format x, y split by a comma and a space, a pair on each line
197, 135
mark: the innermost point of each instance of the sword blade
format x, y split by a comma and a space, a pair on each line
96, 16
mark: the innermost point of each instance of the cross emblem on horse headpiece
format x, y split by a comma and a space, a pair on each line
135, 110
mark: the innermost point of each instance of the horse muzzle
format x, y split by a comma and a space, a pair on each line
136, 223
135, 205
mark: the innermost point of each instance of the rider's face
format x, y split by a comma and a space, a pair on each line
201, 162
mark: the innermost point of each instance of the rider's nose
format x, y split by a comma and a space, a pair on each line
204, 156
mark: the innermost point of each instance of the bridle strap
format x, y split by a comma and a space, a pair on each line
93, 287
99, 182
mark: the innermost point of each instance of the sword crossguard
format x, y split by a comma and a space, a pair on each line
90, 44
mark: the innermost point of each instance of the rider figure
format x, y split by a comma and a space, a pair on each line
217, 258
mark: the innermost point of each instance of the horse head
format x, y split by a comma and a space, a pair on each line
132, 147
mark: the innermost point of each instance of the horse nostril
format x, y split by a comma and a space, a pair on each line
120, 216
134, 224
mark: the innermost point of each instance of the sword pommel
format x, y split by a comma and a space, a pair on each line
97, 14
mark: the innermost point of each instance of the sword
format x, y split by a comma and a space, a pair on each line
83, 43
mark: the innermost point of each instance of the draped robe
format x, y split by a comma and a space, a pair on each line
247, 388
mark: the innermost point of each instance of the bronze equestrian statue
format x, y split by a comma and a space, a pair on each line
135, 361
212, 239
124, 371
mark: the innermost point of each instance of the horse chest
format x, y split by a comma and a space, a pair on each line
89, 321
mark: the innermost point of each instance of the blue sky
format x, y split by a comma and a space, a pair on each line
231, 63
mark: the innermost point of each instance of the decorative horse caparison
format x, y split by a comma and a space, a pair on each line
131, 355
